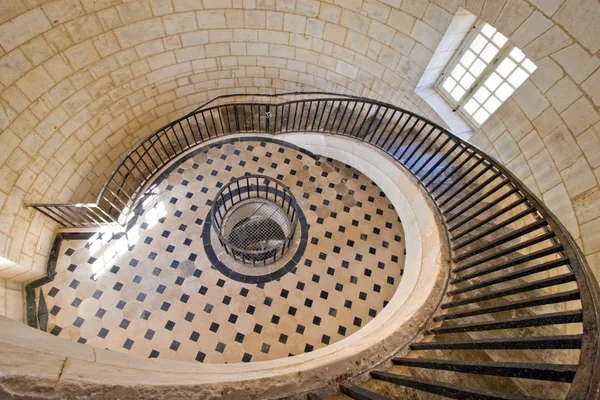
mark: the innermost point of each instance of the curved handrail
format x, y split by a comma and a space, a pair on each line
459, 176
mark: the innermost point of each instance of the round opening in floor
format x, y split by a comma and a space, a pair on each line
254, 218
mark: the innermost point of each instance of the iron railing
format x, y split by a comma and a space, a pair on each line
502, 236
242, 199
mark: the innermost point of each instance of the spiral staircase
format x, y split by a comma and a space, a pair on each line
520, 316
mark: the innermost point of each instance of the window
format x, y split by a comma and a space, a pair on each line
483, 74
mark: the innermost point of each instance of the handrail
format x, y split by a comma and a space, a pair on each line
453, 171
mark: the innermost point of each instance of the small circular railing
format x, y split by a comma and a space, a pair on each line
254, 218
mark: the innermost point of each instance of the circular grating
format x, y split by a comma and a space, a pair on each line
254, 218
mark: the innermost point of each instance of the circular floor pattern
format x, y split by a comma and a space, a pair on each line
153, 292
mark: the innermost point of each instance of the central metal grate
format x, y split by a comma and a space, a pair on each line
255, 219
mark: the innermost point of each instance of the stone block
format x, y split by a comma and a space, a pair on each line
530, 100
416, 8
109, 19
506, 147
24, 123
82, 55
376, 10
562, 147
12, 66
578, 178
580, 18
590, 232
51, 123
23, 28
330, 13
84, 28
403, 44
547, 122
531, 144
559, 203
10, 9
354, 21
577, 62
309, 8
544, 170
294, 23
514, 119
211, 19
381, 32
190, 53
161, 7
35, 83
335, 34
548, 7
134, 11
532, 28
179, 23
140, 32
438, 18
563, 94
106, 44
586, 205
580, 116
426, 35
589, 141
549, 42
592, 87
37, 50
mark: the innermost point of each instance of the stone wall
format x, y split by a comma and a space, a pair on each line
81, 81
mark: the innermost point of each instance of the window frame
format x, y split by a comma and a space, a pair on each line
490, 68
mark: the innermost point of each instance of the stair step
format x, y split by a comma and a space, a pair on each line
538, 301
445, 389
359, 393
526, 287
535, 342
548, 372
496, 227
507, 264
567, 317
512, 276
312, 396
507, 251
503, 239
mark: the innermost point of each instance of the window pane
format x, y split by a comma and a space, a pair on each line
529, 66
506, 67
482, 94
488, 30
493, 81
499, 39
489, 53
467, 59
517, 54
492, 104
471, 106
467, 80
458, 72
478, 44
477, 67
449, 84
504, 91
457, 93
481, 115
518, 77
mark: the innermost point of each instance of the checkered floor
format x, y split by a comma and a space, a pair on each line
153, 293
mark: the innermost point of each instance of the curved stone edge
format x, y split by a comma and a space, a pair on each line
63, 369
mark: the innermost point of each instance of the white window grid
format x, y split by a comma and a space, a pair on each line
483, 74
